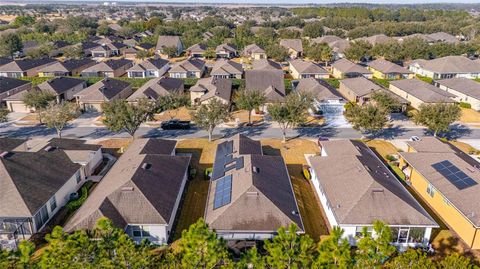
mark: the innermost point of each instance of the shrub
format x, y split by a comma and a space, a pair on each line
76, 204
464, 105
390, 158
208, 172
349, 105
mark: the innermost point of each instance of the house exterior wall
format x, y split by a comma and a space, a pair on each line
34, 71
347, 93
68, 95
18, 106
258, 56
447, 211
246, 235
414, 101
158, 233
62, 196
221, 100
14, 74
461, 97
195, 97
380, 75
121, 70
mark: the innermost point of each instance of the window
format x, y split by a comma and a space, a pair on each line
41, 217
407, 234
445, 200
78, 177
430, 190
359, 230
53, 203
140, 231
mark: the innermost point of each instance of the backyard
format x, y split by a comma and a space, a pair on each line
293, 151
443, 240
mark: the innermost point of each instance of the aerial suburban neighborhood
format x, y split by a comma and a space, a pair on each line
239, 135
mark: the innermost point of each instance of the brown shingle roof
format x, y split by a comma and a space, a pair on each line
345, 66
425, 92
387, 67
271, 82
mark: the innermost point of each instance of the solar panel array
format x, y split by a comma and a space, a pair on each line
458, 178
223, 192
224, 160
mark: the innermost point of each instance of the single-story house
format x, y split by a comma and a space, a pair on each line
465, 90
92, 97
63, 87
269, 82
4, 60
24, 68
141, 193
294, 47
266, 64
110, 69
322, 92
254, 52
224, 68
210, 88
375, 39
364, 192
303, 69
418, 92
384, 69
12, 86
108, 50
71, 67
168, 42
87, 48
447, 180
446, 67
226, 51
190, 68
150, 68
197, 51
130, 53
344, 68
157, 87
31, 197
360, 90
250, 194
337, 44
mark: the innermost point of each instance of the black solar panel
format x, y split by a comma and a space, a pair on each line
223, 192
458, 178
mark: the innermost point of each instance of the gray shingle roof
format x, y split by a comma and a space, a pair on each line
7, 83
270, 82
423, 91
449, 65
139, 189
387, 67
463, 85
262, 198
167, 41
60, 85
465, 200
30, 179
157, 87
319, 88
346, 66
304, 67
360, 189
295, 44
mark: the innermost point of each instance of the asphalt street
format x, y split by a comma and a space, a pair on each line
265, 131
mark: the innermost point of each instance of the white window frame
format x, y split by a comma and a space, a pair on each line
143, 230
52, 203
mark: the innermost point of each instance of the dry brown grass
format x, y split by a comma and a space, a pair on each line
182, 113
464, 147
242, 115
293, 152
470, 116
383, 148
195, 198
115, 146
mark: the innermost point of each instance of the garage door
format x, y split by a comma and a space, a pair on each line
18, 107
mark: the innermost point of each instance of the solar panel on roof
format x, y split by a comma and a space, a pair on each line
453, 174
223, 192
